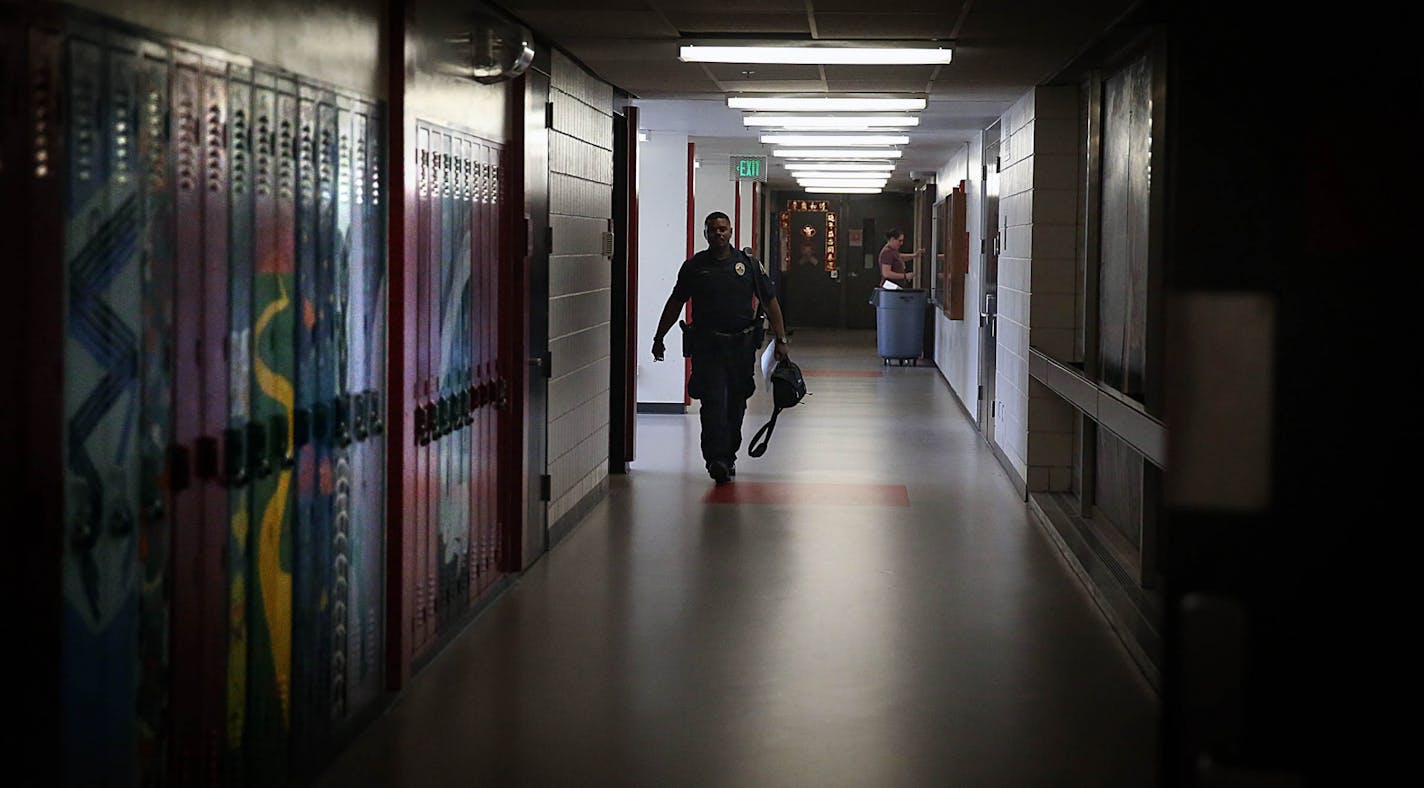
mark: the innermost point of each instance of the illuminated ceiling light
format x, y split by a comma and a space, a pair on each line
835, 139
836, 153
821, 53
831, 122
843, 190
849, 166
826, 104
820, 183
869, 176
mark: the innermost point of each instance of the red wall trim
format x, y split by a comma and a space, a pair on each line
630, 415
737, 217
691, 250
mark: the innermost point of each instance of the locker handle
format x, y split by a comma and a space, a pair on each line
282, 449
259, 465
376, 425
442, 417
301, 428
206, 465
180, 468
467, 407
420, 439
341, 406
235, 456
502, 401
358, 416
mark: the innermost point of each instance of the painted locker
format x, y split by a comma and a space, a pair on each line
270, 596
366, 352
155, 536
312, 580
243, 451
368, 676
208, 665
420, 302
101, 405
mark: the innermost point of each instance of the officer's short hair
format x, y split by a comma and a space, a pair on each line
893, 234
714, 216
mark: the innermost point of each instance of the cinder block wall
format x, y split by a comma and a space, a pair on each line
1037, 268
580, 206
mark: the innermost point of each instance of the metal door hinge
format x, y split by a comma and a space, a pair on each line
546, 487
984, 176
998, 164
549, 239
981, 392
548, 114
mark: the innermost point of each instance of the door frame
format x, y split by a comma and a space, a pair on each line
989, 286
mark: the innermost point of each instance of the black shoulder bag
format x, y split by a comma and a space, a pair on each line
788, 388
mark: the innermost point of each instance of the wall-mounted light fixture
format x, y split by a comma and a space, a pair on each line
822, 53
831, 122
835, 139
825, 104
836, 154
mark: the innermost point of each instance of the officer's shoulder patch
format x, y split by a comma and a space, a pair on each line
741, 269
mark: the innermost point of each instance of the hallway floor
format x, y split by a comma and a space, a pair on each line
868, 605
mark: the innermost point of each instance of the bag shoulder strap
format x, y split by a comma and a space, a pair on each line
762, 439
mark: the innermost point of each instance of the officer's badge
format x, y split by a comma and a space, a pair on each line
741, 269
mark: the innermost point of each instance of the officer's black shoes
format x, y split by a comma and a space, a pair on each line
719, 472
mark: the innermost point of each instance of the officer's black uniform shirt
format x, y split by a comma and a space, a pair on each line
722, 290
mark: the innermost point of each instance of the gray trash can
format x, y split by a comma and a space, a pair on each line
900, 323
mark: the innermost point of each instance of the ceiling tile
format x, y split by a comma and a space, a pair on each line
613, 24
732, 72
950, 8
872, 25
699, 22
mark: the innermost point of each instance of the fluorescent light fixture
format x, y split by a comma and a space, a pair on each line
831, 122
836, 153
825, 104
868, 176
820, 53
836, 184
851, 166
835, 139
842, 190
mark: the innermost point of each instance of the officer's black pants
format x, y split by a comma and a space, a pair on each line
723, 378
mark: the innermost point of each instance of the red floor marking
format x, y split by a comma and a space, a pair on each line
841, 373
795, 494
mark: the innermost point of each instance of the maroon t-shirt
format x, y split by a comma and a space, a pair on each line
891, 258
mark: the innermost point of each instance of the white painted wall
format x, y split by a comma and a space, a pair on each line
957, 341
662, 246
713, 190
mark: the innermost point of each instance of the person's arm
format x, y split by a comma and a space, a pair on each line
670, 313
886, 272
907, 258
778, 327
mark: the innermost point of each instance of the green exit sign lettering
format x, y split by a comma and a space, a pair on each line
749, 168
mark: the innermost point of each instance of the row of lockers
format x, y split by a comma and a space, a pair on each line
221, 228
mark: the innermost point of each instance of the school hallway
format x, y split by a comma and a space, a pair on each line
870, 604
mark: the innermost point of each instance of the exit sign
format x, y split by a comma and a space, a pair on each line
749, 168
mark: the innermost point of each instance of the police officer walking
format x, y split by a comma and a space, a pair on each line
725, 286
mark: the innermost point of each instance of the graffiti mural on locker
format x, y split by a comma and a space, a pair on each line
458, 384
223, 552
102, 403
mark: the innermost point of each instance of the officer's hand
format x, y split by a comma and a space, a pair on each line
659, 349
781, 352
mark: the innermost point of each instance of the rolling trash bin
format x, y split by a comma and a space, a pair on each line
900, 324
